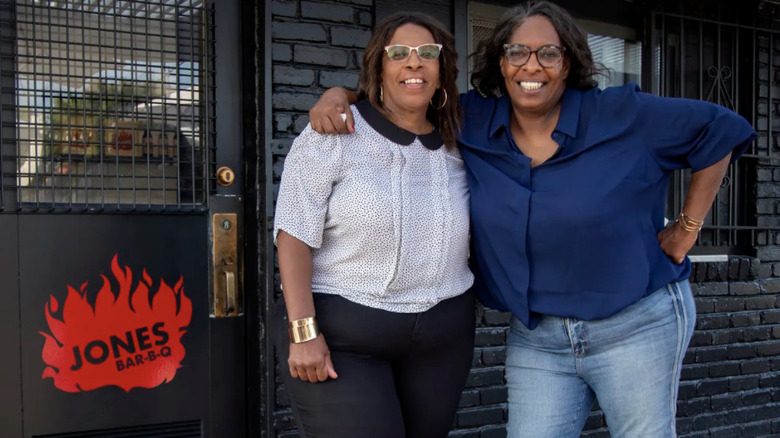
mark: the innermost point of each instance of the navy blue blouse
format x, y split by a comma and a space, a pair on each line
576, 235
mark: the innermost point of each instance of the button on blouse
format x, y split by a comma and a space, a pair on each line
385, 212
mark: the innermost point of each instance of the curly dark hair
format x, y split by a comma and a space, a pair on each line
487, 76
447, 119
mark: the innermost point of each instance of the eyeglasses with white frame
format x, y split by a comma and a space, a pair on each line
426, 52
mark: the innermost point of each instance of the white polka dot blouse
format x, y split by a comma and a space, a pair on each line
386, 213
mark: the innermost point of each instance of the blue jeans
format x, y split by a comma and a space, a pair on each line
630, 361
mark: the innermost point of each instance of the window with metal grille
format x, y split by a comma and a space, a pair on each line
113, 108
720, 63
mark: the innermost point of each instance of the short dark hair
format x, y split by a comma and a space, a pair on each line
487, 76
447, 119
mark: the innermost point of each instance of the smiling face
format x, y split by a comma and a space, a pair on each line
532, 88
409, 85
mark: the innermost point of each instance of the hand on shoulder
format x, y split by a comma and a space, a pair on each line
332, 114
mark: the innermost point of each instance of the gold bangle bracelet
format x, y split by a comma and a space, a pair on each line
688, 227
689, 220
689, 224
303, 330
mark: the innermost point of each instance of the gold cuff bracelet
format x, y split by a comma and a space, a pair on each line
303, 330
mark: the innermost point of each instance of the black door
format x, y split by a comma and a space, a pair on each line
121, 217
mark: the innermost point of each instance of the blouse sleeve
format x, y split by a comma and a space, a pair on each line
687, 133
310, 169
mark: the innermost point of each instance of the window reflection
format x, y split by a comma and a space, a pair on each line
622, 58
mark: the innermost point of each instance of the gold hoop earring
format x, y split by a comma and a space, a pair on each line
443, 103
381, 94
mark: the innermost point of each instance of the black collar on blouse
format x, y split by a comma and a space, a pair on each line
395, 133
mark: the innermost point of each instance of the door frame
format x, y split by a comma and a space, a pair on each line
258, 250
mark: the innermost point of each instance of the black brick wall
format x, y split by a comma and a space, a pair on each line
731, 378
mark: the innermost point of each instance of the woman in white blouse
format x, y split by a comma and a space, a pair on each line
372, 234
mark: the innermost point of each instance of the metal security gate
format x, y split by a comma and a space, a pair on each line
733, 64
113, 107
121, 219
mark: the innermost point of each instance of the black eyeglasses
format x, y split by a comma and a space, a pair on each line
548, 56
426, 52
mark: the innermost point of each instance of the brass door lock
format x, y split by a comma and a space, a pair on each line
225, 176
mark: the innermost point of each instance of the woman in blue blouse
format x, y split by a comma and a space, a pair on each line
568, 186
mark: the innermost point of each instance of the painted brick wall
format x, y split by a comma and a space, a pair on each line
316, 45
731, 378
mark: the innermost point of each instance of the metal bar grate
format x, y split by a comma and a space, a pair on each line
113, 105
180, 429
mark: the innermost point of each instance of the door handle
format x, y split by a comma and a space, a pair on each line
226, 267
230, 292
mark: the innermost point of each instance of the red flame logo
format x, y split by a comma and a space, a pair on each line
124, 340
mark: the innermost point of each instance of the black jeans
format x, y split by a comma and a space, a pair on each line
400, 374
